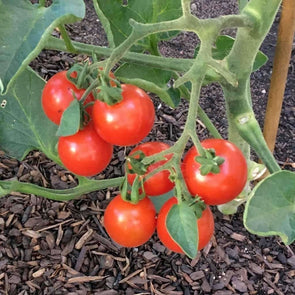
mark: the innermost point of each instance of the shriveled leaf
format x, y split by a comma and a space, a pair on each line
115, 16
24, 126
150, 79
182, 226
70, 120
271, 207
24, 28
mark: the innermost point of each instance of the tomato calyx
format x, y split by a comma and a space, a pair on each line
132, 193
209, 162
198, 206
78, 75
135, 163
109, 89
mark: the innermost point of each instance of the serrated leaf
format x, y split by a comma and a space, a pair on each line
270, 209
24, 126
70, 120
223, 46
115, 16
182, 226
150, 79
24, 28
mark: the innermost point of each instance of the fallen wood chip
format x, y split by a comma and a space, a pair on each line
84, 239
38, 273
238, 237
85, 279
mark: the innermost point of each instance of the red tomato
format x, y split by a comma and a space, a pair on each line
220, 188
205, 227
130, 225
58, 94
159, 183
126, 122
85, 153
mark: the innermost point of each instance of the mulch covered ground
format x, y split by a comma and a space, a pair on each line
49, 247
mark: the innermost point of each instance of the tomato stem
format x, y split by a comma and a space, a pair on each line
67, 39
84, 187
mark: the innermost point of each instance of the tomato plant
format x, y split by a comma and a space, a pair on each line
130, 225
205, 227
57, 95
124, 116
85, 153
159, 183
126, 122
216, 188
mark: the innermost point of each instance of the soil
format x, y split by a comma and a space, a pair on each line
49, 247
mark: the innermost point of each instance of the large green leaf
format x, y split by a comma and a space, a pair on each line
182, 226
24, 28
150, 79
115, 16
271, 207
23, 124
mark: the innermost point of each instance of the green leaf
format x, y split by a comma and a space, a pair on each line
115, 19
150, 79
70, 120
24, 28
271, 207
182, 226
159, 201
223, 46
24, 126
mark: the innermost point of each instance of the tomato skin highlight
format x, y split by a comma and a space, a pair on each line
205, 227
58, 94
159, 183
126, 122
85, 153
216, 189
130, 225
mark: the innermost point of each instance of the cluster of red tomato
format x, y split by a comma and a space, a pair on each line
126, 123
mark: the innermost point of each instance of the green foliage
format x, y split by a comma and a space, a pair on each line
182, 226
24, 126
24, 28
271, 207
70, 120
115, 19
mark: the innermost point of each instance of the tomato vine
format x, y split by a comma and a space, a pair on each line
133, 78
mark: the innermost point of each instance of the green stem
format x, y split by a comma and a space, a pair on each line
86, 186
67, 39
243, 127
170, 64
186, 7
92, 86
202, 115
242, 118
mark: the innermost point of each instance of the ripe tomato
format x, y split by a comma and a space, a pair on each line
126, 122
220, 188
85, 153
130, 225
159, 183
58, 94
205, 227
